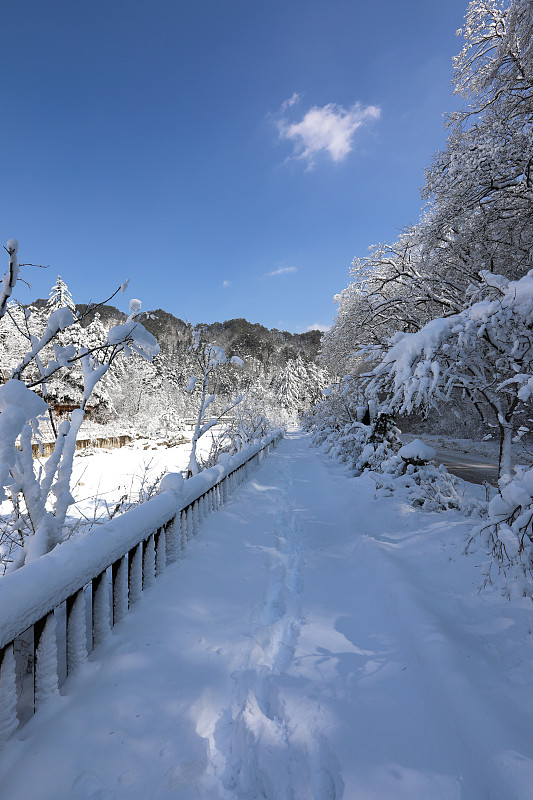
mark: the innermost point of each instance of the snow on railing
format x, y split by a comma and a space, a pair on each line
46, 605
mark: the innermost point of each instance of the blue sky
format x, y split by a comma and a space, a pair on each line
231, 157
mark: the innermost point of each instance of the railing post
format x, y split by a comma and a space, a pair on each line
195, 517
160, 552
149, 562
45, 680
8, 693
135, 573
76, 632
188, 523
101, 610
171, 536
119, 578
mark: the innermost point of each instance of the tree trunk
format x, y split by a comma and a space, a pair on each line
506, 440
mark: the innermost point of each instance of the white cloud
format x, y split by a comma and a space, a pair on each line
291, 101
328, 129
281, 271
226, 284
318, 327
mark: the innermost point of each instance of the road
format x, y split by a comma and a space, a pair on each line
473, 468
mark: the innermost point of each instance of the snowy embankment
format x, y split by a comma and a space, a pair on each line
314, 643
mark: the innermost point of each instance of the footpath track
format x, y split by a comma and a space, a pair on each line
312, 644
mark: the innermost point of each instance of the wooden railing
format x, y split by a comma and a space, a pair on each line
58, 608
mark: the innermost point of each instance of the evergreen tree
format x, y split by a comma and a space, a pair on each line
60, 297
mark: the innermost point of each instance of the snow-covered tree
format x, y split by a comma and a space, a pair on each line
60, 296
287, 386
478, 216
485, 351
40, 498
208, 358
382, 443
479, 212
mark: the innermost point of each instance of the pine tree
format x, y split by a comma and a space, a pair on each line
60, 296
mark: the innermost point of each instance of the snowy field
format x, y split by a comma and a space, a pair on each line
101, 478
106, 482
314, 643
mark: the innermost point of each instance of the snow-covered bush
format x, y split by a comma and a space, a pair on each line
426, 486
412, 472
382, 444
507, 536
339, 406
377, 451
336, 423
346, 444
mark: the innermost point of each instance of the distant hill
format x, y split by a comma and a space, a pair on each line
238, 336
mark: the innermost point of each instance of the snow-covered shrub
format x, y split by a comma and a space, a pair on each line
336, 426
346, 445
382, 444
337, 409
507, 536
376, 449
427, 486
408, 469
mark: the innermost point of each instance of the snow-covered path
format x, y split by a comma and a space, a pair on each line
314, 643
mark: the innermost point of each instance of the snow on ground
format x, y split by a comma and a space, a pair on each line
103, 479
314, 643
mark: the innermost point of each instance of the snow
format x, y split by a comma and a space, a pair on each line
137, 337
60, 319
135, 306
16, 394
18, 405
103, 478
416, 451
313, 642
